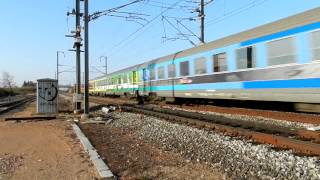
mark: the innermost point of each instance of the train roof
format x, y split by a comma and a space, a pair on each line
304, 18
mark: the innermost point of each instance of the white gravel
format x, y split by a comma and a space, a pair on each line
238, 158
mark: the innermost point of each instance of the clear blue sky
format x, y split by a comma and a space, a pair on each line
32, 31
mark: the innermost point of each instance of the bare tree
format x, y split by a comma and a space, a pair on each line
8, 81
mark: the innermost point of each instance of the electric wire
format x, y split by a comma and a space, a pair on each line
236, 12
121, 43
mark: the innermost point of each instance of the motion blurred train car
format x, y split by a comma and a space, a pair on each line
279, 61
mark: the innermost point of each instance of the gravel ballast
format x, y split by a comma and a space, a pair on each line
9, 163
238, 158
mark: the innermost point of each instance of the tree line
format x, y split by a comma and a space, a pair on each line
9, 87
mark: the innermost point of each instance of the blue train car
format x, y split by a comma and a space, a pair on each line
279, 61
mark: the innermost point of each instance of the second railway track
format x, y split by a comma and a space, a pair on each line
6, 107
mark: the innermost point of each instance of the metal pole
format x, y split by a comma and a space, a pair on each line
86, 58
106, 65
57, 77
202, 15
78, 56
58, 72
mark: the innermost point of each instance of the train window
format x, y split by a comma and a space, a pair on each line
152, 74
144, 75
161, 72
245, 58
115, 80
171, 70
200, 65
220, 62
184, 68
119, 80
124, 78
281, 51
129, 78
315, 45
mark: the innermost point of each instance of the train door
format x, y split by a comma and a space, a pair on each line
134, 80
119, 83
134, 77
145, 80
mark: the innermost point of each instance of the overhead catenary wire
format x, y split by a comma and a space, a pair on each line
163, 4
200, 16
164, 29
134, 35
137, 18
98, 70
179, 22
236, 11
184, 35
98, 14
181, 8
120, 44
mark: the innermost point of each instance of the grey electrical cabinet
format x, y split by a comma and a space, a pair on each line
47, 96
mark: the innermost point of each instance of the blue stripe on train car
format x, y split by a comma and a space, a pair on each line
281, 34
206, 86
273, 84
293, 83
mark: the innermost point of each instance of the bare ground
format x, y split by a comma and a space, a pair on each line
41, 150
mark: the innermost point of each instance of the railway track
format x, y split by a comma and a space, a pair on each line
8, 106
300, 141
9, 101
292, 116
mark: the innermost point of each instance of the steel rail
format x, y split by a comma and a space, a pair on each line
299, 140
16, 104
278, 140
9, 103
255, 126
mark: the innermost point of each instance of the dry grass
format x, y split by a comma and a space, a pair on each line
4, 92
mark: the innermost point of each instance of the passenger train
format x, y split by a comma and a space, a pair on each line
278, 62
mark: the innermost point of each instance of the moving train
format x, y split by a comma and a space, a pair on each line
278, 62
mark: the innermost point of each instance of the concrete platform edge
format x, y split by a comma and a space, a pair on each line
101, 167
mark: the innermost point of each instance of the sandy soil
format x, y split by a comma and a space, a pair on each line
130, 158
42, 150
